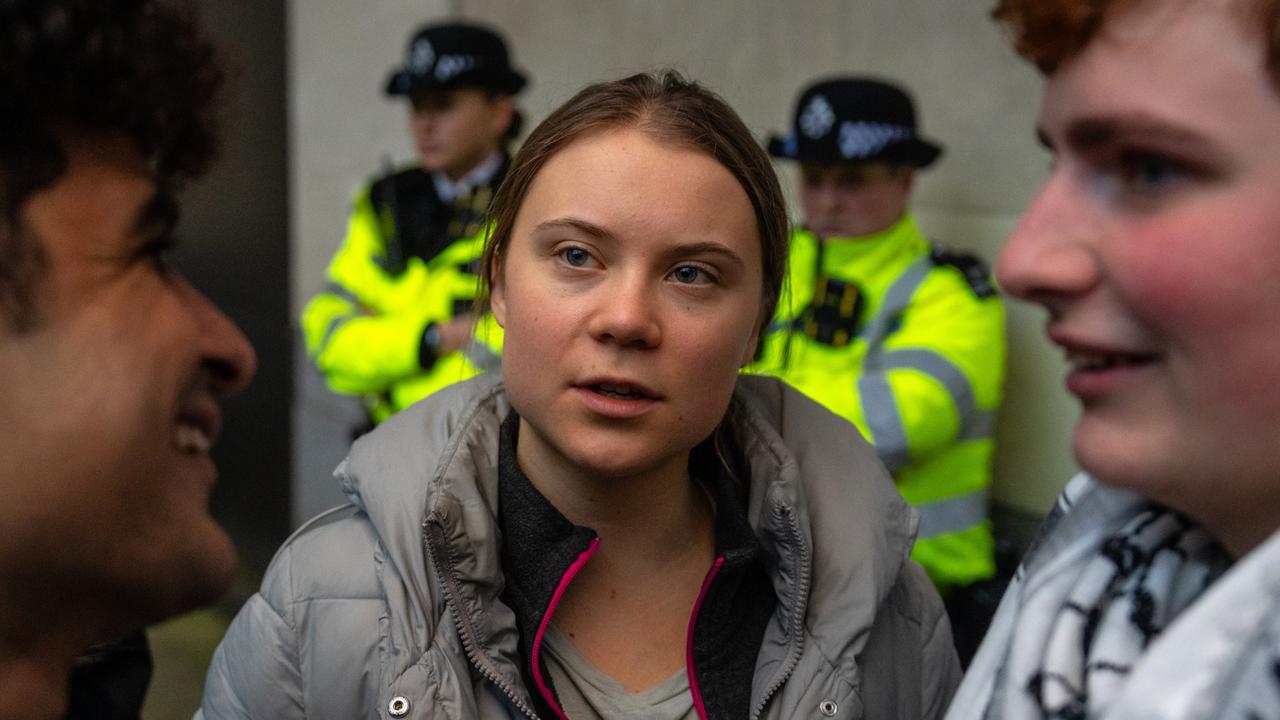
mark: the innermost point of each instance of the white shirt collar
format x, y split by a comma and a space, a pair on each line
449, 190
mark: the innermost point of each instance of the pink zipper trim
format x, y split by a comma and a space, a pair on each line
567, 578
688, 648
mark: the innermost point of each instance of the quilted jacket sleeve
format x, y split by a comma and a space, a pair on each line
940, 666
255, 670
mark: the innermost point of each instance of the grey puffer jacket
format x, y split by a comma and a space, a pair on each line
390, 607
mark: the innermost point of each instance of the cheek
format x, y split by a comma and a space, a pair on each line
1191, 277
528, 339
714, 356
885, 198
1167, 296
1208, 290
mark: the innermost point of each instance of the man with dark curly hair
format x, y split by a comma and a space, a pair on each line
112, 367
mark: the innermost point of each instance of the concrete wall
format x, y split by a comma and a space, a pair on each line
973, 95
234, 247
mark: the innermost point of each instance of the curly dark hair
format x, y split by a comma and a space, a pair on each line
1049, 32
138, 69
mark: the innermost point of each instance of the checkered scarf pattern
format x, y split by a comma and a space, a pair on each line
1142, 578
1127, 610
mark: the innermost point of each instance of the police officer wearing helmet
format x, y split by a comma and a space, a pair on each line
903, 338
393, 323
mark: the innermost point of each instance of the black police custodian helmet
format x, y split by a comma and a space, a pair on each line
452, 55
854, 119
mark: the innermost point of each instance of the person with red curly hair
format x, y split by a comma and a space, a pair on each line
1153, 590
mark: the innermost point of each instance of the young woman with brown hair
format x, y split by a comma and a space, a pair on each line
622, 526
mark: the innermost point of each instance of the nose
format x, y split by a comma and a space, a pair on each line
1051, 254
626, 314
227, 356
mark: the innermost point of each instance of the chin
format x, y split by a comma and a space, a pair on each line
619, 460
1123, 460
214, 569
194, 571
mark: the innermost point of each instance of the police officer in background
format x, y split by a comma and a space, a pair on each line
903, 338
394, 323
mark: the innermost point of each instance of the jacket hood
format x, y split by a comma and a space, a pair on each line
834, 531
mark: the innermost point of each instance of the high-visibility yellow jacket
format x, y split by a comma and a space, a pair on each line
409, 259
907, 342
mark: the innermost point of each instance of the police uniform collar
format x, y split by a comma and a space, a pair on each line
450, 190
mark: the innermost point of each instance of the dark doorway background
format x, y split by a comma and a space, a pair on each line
234, 247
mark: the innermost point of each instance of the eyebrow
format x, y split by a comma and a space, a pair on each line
704, 247
1091, 133
572, 223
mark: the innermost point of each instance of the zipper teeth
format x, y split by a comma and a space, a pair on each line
449, 583
797, 618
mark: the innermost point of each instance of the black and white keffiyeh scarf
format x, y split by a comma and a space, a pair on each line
1124, 609
1142, 578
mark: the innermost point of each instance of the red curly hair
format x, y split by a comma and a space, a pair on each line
1049, 32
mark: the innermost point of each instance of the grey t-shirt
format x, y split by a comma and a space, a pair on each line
585, 693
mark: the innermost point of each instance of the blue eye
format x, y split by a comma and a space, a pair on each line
691, 275
577, 257
1146, 172
1153, 171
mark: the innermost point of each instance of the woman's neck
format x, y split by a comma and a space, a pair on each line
628, 609
651, 514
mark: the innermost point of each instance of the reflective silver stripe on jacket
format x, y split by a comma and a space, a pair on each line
885, 423
975, 424
341, 291
888, 430
941, 517
334, 324
895, 301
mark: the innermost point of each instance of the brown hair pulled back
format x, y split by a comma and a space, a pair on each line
1049, 32
670, 109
